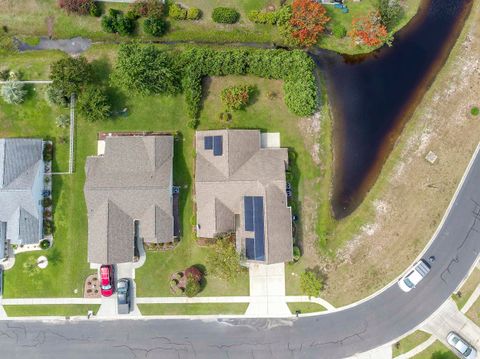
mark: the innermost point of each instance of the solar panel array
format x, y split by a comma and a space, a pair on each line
214, 143
254, 222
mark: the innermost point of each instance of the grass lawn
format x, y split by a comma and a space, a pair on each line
409, 342
64, 310
305, 307
193, 309
467, 289
436, 351
474, 312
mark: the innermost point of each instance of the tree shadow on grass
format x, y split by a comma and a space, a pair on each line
101, 69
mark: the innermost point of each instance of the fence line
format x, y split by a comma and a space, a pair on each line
30, 82
71, 162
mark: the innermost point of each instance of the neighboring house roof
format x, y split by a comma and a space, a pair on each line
131, 182
242, 168
21, 184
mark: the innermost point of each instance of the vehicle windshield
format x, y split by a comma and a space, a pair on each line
467, 352
408, 282
106, 287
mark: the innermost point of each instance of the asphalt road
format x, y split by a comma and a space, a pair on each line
372, 323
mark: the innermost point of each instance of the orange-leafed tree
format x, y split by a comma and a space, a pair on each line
308, 21
369, 30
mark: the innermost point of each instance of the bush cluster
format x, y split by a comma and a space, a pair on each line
117, 22
155, 26
80, 7
236, 97
177, 12
339, 31
225, 15
48, 152
295, 68
391, 12
47, 227
54, 96
94, 105
279, 16
147, 8
194, 13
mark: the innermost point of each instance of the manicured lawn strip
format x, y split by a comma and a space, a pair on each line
193, 309
436, 351
64, 310
474, 312
467, 289
305, 307
409, 342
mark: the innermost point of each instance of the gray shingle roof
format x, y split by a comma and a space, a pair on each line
244, 169
131, 182
21, 184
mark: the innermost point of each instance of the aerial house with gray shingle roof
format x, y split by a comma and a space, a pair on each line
129, 196
240, 187
21, 185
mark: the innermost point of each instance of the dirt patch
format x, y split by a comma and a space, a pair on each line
412, 194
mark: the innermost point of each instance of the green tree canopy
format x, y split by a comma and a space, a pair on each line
146, 70
311, 283
94, 105
224, 261
70, 74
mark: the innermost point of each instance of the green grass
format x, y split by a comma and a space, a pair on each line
467, 289
193, 309
305, 307
409, 342
436, 351
64, 310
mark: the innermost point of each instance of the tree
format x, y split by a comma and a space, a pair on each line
116, 22
93, 104
311, 284
308, 21
155, 26
13, 92
369, 30
223, 260
54, 96
70, 75
390, 12
146, 70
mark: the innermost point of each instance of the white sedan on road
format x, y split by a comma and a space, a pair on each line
461, 346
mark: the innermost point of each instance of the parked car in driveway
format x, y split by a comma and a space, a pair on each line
106, 280
123, 296
414, 276
461, 346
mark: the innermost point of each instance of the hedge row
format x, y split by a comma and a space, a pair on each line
295, 68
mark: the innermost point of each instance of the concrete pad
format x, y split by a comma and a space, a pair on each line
270, 140
267, 291
448, 318
108, 308
384, 352
124, 270
100, 147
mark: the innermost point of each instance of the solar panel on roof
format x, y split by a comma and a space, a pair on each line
208, 142
259, 229
250, 248
217, 145
248, 208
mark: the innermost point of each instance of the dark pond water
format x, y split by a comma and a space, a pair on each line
372, 97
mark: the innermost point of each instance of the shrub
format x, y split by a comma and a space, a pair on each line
391, 13
311, 284
224, 260
146, 70
70, 75
4, 74
193, 123
48, 153
95, 10
225, 15
116, 22
54, 96
93, 104
262, 17
225, 116
109, 24
177, 12
45, 244
192, 288
147, 8
155, 26
475, 111
13, 92
46, 202
194, 13
339, 31
194, 272
236, 97
80, 7
62, 121
296, 253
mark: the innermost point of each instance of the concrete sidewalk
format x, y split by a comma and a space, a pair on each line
448, 319
40, 301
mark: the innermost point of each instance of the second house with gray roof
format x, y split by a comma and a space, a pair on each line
129, 196
240, 187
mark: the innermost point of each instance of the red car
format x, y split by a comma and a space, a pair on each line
106, 280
